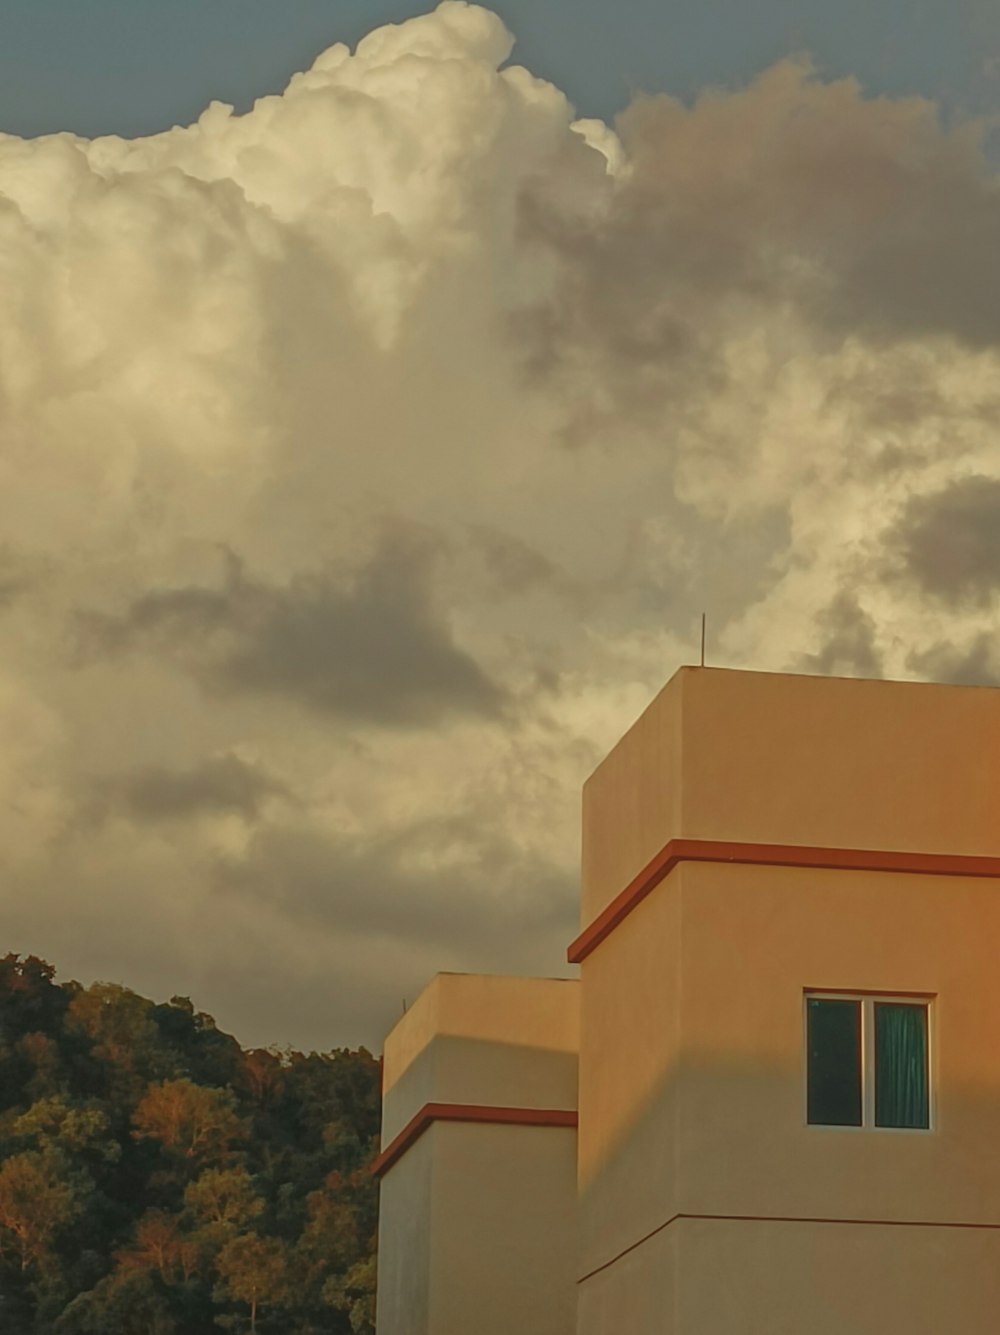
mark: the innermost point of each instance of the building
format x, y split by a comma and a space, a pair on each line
789, 1042
477, 1225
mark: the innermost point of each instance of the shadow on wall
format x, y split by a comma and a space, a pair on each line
716, 1208
454, 1069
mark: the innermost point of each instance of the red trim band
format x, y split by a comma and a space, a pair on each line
783, 1219
466, 1112
769, 855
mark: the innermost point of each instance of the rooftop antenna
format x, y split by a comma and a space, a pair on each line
703, 639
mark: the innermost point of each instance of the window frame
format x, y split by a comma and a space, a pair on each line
867, 1000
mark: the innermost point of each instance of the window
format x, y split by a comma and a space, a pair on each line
867, 1061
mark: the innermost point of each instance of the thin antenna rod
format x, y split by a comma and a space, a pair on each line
703, 639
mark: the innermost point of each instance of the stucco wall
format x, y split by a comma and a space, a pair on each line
632, 801
639, 1294
701, 1277
630, 1036
404, 1245
473, 1038
771, 758
503, 1232
478, 1221
822, 1279
753, 939
692, 1044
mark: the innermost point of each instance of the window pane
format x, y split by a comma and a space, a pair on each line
901, 1065
833, 1041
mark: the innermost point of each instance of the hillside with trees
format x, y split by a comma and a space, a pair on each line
158, 1179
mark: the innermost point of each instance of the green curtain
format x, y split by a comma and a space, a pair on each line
901, 1065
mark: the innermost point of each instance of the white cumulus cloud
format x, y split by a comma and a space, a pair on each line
368, 459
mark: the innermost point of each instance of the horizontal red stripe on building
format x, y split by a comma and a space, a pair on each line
769, 855
466, 1112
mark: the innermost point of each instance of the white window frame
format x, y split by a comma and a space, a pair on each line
868, 1000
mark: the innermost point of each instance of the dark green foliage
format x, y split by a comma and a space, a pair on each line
157, 1179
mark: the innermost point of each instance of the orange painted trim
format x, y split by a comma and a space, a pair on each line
785, 1219
466, 1112
769, 855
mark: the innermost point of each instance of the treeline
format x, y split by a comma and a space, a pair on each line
158, 1179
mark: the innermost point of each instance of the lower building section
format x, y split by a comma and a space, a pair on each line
637, 1292
478, 1232
503, 1230
702, 1276
404, 1244
477, 1224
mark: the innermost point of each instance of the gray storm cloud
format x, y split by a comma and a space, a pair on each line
369, 648
217, 784
368, 459
951, 540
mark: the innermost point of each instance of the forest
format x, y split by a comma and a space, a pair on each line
156, 1178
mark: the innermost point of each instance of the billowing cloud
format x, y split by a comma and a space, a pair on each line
217, 784
368, 460
850, 647
369, 647
975, 663
483, 899
950, 540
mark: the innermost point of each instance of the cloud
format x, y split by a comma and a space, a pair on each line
514, 565
856, 217
18, 576
470, 893
217, 785
369, 459
850, 641
974, 664
949, 540
371, 648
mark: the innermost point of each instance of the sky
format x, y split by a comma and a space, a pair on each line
136, 67
370, 451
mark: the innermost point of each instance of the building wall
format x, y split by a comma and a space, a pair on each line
754, 938
404, 1244
770, 758
473, 1038
639, 1293
822, 1279
632, 801
477, 1225
706, 1205
630, 1054
692, 1045
503, 1230
840, 762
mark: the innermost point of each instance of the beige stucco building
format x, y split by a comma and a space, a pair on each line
788, 1027
477, 1226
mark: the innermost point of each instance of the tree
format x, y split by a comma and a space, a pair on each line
129, 1302
155, 1179
224, 1197
75, 1129
261, 1074
191, 1044
37, 1199
160, 1245
190, 1121
354, 1293
124, 1038
254, 1271
29, 999
43, 1060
